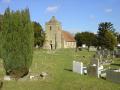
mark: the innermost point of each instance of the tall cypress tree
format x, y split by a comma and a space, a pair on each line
18, 42
0, 34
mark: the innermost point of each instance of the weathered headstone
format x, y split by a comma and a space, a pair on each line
95, 61
92, 48
118, 54
7, 78
92, 70
36, 46
78, 67
95, 68
113, 75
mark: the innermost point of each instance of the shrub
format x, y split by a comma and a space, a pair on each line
18, 42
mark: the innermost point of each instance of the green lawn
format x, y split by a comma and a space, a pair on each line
58, 65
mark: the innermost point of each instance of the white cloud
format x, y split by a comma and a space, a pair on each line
52, 9
108, 10
6, 1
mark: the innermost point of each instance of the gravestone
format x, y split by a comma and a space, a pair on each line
95, 61
7, 78
92, 48
95, 68
92, 70
36, 46
113, 75
78, 67
117, 54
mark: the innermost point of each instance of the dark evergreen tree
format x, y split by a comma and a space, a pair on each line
118, 38
39, 35
0, 35
18, 42
106, 36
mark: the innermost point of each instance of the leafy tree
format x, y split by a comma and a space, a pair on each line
106, 36
87, 38
18, 42
78, 39
39, 35
111, 40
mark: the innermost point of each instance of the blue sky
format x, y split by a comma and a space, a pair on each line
75, 15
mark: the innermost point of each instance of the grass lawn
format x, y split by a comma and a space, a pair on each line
58, 65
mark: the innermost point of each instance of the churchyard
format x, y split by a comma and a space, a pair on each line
52, 70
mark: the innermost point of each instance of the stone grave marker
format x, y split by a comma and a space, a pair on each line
95, 68
92, 48
7, 78
113, 75
78, 67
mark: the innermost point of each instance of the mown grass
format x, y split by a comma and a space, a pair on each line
58, 65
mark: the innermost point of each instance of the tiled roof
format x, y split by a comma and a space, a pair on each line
68, 37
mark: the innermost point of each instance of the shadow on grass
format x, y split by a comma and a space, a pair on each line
70, 70
115, 64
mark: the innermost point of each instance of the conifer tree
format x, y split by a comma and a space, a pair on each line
106, 36
0, 34
18, 42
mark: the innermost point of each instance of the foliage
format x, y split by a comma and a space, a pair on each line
106, 36
39, 35
78, 40
118, 38
107, 26
88, 38
17, 41
0, 34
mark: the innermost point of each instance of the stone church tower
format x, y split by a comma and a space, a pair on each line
53, 34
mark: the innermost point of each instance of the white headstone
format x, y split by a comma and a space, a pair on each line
78, 67
37, 46
7, 78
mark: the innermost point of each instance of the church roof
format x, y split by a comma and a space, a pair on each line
53, 20
68, 37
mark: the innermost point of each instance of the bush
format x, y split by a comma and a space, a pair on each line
18, 42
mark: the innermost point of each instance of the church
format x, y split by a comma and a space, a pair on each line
55, 37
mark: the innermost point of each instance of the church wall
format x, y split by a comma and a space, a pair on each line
69, 44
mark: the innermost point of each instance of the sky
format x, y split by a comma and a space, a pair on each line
75, 15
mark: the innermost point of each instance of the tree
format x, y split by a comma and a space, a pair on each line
78, 39
87, 38
18, 42
39, 35
106, 36
118, 38
0, 35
